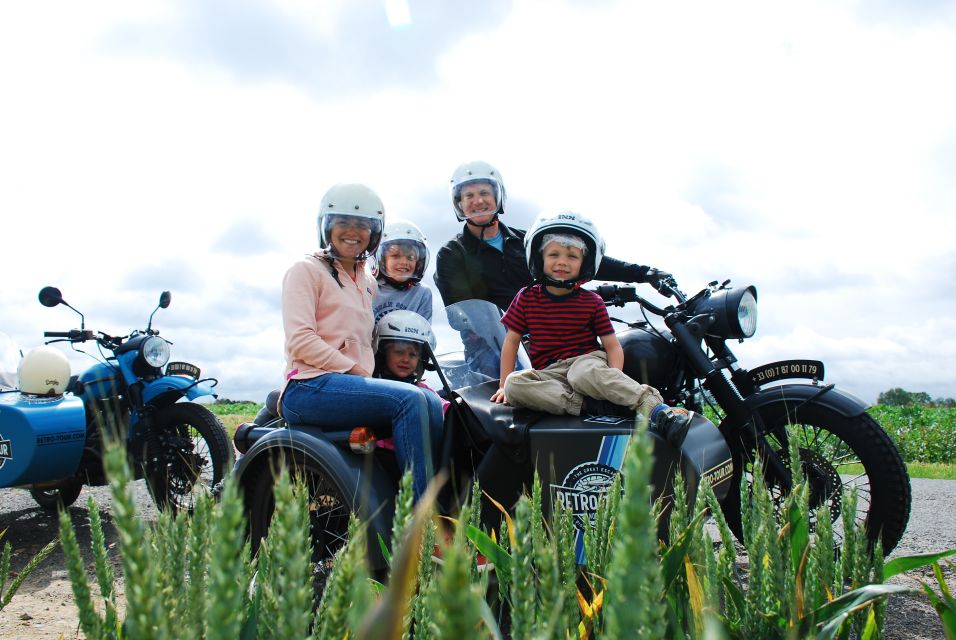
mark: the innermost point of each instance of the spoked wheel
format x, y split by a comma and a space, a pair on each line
54, 499
328, 513
837, 454
187, 455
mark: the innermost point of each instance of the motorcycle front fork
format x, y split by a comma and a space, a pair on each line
755, 445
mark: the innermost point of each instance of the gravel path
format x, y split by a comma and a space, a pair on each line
43, 607
932, 527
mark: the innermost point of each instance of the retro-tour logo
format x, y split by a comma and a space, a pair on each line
582, 489
6, 450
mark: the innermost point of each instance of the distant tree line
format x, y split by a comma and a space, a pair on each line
228, 401
897, 397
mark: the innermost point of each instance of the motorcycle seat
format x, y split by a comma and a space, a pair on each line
270, 411
595, 407
504, 425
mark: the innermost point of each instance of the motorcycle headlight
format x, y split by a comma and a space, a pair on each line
747, 312
734, 311
155, 351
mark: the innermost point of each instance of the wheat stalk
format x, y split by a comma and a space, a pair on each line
634, 605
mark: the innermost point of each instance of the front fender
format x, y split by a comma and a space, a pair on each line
169, 389
364, 483
846, 404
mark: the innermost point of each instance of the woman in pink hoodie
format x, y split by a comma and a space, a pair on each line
328, 321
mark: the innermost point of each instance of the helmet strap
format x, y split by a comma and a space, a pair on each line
561, 284
398, 284
483, 226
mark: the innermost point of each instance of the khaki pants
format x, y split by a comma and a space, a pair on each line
560, 387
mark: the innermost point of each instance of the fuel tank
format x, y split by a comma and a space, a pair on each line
41, 439
100, 382
649, 357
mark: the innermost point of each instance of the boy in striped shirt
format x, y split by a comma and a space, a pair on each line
572, 345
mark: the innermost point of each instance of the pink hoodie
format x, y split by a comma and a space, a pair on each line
328, 328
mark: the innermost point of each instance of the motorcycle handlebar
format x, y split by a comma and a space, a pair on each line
668, 288
73, 335
617, 296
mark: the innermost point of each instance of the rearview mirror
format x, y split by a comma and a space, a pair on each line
50, 297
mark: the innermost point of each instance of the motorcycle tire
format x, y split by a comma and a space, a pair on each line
329, 511
187, 455
828, 441
56, 499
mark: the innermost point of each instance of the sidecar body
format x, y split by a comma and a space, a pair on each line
41, 439
578, 457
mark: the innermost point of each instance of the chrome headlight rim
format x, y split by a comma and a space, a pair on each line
747, 313
734, 312
155, 352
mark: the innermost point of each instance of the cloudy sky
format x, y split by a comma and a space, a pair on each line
808, 148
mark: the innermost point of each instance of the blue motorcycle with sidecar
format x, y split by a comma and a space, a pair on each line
51, 443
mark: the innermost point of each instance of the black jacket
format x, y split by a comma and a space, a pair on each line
467, 268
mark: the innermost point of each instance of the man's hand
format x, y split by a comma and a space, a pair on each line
658, 279
499, 396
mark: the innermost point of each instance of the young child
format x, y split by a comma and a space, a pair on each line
399, 340
564, 323
402, 259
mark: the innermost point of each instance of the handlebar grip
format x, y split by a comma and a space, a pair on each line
57, 334
607, 291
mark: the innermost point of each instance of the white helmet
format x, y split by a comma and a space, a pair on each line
44, 371
402, 326
477, 171
563, 223
356, 201
407, 236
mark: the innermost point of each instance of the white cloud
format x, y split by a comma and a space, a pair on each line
798, 147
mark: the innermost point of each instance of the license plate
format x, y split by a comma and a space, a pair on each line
182, 369
787, 369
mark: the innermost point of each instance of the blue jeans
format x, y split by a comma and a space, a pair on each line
339, 401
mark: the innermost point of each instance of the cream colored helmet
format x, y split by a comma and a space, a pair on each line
564, 223
44, 371
352, 201
477, 171
403, 325
405, 234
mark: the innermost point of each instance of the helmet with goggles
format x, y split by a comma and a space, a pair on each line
403, 239
570, 229
353, 205
468, 181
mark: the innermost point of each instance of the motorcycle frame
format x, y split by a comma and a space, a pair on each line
739, 397
123, 386
116, 384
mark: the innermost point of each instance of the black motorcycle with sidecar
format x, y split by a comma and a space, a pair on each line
576, 457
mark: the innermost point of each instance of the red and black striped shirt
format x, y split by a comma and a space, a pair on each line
559, 326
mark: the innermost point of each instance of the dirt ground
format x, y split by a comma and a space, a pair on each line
43, 607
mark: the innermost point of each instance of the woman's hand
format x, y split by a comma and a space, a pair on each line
356, 370
499, 396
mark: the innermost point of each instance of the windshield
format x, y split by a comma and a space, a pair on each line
9, 361
473, 355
